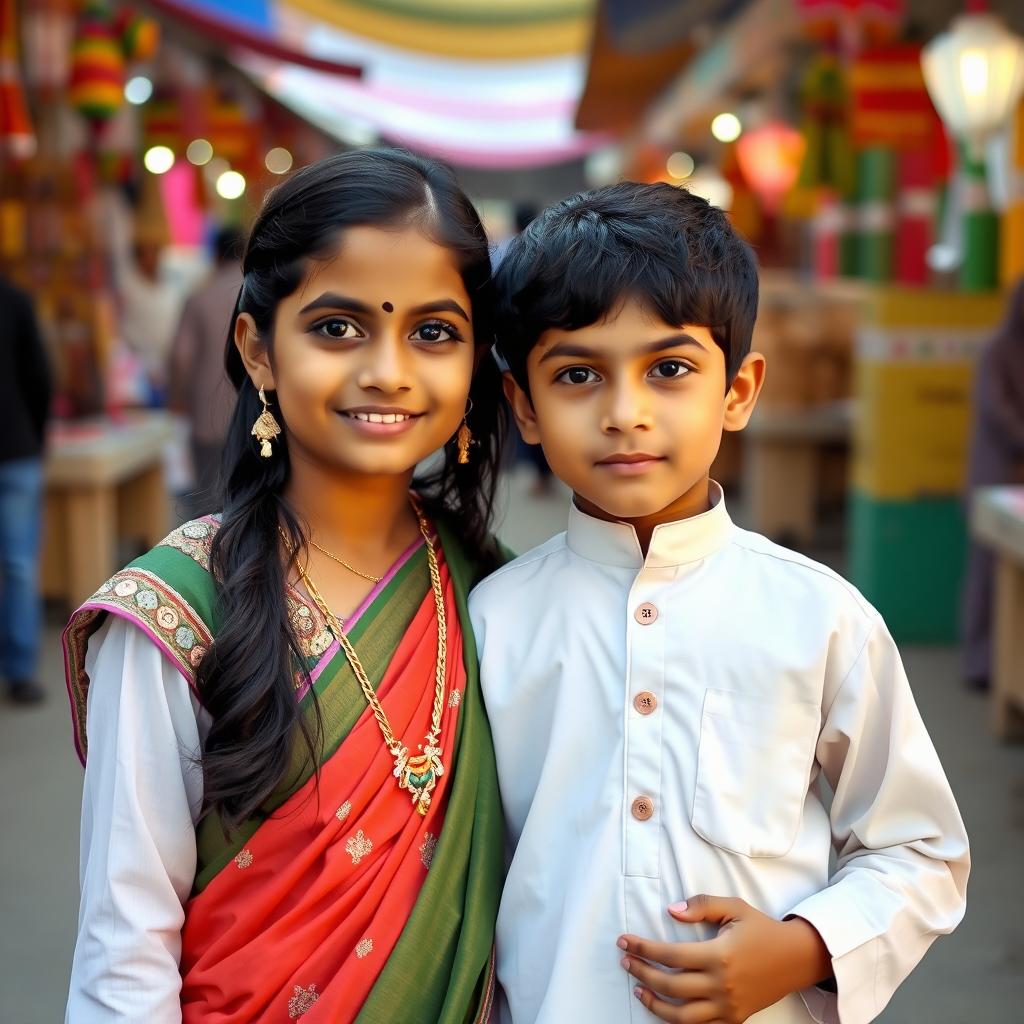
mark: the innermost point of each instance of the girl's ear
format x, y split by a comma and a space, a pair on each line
522, 409
742, 395
254, 353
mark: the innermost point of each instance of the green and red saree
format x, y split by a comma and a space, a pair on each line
339, 902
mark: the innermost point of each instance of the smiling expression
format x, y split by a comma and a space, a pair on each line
630, 411
373, 354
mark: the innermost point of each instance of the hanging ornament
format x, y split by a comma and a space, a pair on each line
139, 36
17, 139
96, 89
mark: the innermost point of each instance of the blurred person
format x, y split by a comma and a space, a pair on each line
25, 387
264, 839
198, 386
996, 457
149, 309
667, 692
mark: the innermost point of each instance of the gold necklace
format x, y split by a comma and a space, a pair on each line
417, 773
341, 561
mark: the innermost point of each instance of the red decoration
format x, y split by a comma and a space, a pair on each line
890, 104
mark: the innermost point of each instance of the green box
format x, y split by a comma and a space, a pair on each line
907, 558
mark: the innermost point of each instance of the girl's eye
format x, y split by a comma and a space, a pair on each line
577, 375
337, 329
670, 368
436, 331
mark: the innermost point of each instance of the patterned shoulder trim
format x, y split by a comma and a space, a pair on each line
194, 539
155, 607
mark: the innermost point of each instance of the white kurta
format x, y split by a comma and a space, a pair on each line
142, 795
660, 726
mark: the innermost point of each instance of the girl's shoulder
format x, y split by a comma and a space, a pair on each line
169, 593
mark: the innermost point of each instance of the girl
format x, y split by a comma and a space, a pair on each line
290, 806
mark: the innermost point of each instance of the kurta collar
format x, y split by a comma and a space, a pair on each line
676, 543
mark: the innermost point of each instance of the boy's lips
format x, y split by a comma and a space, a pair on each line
629, 463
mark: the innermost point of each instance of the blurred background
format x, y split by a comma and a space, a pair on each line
871, 150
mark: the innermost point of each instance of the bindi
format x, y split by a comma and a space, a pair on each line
387, 307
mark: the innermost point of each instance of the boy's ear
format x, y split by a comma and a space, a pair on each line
742, 396
253, 352
522, 409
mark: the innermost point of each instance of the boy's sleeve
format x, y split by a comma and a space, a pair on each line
903, 857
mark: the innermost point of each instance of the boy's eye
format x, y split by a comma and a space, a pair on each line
577, 375
338, 328
435, 331
669, 368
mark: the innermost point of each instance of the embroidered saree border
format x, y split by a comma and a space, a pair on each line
145, 599
457, 907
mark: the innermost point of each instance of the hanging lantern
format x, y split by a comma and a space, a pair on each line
17, 139
975, 76
769, 157
97, 66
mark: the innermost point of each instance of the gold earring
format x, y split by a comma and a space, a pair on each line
464, 438
266, 428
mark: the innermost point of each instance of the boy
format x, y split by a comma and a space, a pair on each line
666, 690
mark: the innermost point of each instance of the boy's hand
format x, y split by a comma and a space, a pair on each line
754, 961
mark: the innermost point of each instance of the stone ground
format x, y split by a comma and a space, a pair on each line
975, 976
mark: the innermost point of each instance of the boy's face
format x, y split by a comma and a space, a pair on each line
630, 411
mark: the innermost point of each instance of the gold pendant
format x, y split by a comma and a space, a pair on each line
418, 774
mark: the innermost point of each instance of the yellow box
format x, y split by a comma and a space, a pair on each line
914, 378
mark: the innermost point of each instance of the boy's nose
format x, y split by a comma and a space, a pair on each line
625, 412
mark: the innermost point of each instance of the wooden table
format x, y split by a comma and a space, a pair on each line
782, 460
104, 483
997, 520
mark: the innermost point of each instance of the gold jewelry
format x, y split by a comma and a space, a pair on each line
419, 773
266, 428
341, 561
464, 438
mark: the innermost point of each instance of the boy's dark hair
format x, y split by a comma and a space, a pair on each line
661, 244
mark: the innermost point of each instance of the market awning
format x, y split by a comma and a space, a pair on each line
480, 83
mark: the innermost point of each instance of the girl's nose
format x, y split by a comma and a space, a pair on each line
386, 368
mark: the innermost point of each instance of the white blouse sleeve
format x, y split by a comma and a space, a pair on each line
141, 799
902, 851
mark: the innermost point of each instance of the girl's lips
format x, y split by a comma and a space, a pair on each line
380, 423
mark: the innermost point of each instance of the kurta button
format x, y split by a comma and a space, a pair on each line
643, 808
645, 702
646, 614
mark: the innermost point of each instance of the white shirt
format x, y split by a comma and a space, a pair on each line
142, 795
765, 671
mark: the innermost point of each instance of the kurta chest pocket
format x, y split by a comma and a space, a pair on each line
753, 771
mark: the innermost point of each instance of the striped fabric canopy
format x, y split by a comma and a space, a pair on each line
481, 83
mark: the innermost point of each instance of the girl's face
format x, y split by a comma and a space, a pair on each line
372, 355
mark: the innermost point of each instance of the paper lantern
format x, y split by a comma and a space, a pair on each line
975, 76
96, 89
769, 157
16, 136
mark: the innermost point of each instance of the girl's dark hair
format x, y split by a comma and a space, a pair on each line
669, 248
247, 680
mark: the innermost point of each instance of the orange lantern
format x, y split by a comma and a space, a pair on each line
16, 137
769, 157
